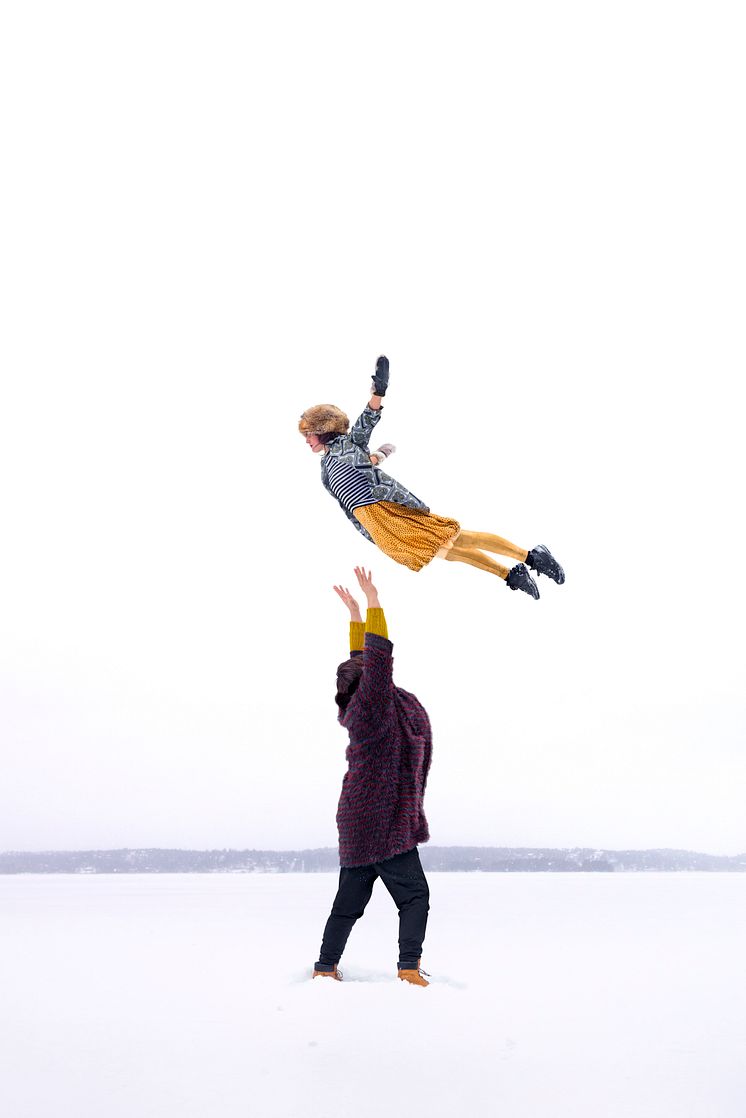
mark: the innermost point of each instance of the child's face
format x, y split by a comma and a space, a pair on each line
314, 442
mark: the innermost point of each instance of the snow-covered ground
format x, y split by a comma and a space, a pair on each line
552, 995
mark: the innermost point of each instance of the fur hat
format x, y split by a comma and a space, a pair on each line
323, 419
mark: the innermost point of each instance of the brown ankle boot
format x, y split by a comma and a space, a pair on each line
413, 976
328, 974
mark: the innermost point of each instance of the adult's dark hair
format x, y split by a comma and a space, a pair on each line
348, 678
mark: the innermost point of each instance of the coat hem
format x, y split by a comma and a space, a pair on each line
372, 861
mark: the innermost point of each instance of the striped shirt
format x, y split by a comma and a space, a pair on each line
350, 486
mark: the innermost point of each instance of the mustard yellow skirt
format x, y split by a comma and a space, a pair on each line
409, 536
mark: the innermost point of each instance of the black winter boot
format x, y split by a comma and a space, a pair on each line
541, 560
519, 579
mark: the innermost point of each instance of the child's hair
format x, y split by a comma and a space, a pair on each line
348, 678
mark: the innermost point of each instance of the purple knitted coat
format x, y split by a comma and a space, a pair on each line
380, 810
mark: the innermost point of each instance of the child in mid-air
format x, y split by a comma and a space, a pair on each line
391, 517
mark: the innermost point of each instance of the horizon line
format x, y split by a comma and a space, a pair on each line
310, 849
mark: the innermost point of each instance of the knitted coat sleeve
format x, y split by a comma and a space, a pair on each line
375, 691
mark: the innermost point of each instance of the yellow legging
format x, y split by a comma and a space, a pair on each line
469, 547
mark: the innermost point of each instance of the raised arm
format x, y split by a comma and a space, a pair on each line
380, 382
364, 424
357, 628
375, 690
375, 621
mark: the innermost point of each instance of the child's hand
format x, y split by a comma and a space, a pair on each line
383, 452
381, 376
365, 582
350, 602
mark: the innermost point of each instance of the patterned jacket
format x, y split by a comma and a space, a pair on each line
353, 448
380, 811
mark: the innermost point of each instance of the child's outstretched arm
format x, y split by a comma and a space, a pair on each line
364, 424
380, 382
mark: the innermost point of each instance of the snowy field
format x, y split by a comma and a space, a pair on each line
552, 995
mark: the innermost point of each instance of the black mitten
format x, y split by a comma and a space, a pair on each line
381, 376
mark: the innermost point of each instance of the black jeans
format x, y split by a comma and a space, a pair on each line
405, 880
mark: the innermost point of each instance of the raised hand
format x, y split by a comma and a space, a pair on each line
350, 602
365, 581
381, 376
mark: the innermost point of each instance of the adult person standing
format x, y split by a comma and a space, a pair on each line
380, 817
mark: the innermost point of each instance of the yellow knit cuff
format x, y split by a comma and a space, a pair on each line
375, 622
357, 636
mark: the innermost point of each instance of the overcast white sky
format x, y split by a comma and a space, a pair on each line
217, 214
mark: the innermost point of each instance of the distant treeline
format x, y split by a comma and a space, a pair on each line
489, 859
